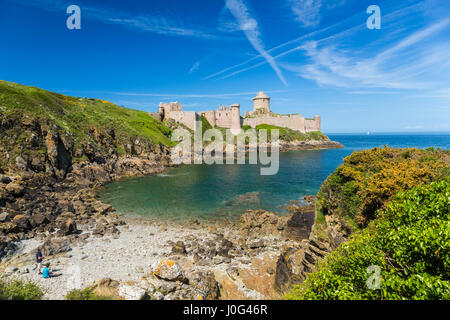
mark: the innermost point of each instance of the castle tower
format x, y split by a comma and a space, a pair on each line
261, 101
318, 125
235, 118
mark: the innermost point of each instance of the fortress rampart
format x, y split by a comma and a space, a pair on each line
229, 116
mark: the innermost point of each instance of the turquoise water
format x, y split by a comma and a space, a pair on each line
214, 191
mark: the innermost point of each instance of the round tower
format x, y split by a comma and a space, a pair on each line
261, 101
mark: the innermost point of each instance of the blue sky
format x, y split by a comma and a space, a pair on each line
311, 56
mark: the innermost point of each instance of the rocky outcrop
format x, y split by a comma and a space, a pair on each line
168, 270
129, 292
309, 145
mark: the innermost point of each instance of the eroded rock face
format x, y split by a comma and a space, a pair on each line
58, 154
54, 246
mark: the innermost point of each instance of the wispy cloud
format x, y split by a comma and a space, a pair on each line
155, 23
194, 67
198, 63
249, 26
307, 12
286, 44
190, 95
398, 66
400, 58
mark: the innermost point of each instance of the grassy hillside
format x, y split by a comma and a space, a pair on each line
28, 114
403, 254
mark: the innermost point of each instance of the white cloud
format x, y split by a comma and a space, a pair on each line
249, 26
194, 67
400, 66
307, 11
155, 23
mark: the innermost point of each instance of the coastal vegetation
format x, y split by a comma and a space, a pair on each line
368, 179
404, 253
27, 112
289, 135
20, 290
86, 294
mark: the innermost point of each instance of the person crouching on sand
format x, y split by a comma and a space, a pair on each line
48, 272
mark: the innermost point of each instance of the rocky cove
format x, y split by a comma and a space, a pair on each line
58, 151
259, 256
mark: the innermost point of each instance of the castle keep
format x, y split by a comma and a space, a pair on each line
230, 116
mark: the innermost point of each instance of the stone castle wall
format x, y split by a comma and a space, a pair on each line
188, 118
294, 121
229, 117
210, 116
312, 124
223, 118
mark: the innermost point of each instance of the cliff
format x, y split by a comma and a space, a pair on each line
46, 132
391, 208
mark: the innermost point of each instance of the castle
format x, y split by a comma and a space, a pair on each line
230, 116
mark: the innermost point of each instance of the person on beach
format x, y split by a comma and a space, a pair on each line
39, 259
48, 272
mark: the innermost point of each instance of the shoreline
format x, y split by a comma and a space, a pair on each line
75, 226
233, 258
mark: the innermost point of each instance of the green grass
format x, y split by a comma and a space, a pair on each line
79, 117
288, 135
85, 294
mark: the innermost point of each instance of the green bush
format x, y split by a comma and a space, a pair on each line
409, 242
20, 290
85, 294
368, 179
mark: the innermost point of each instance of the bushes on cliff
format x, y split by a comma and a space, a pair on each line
20, 290
408, 243
368, 179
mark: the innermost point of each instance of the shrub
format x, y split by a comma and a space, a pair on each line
85, 294
368, 179
409, 242
20, 290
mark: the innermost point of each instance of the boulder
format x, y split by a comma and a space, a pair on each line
55, 246
4, 217
206, 283
38, 219
5, 179
168, 270
179, 248
15, 189
22, 222
129, 292
21, 163
67, 227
